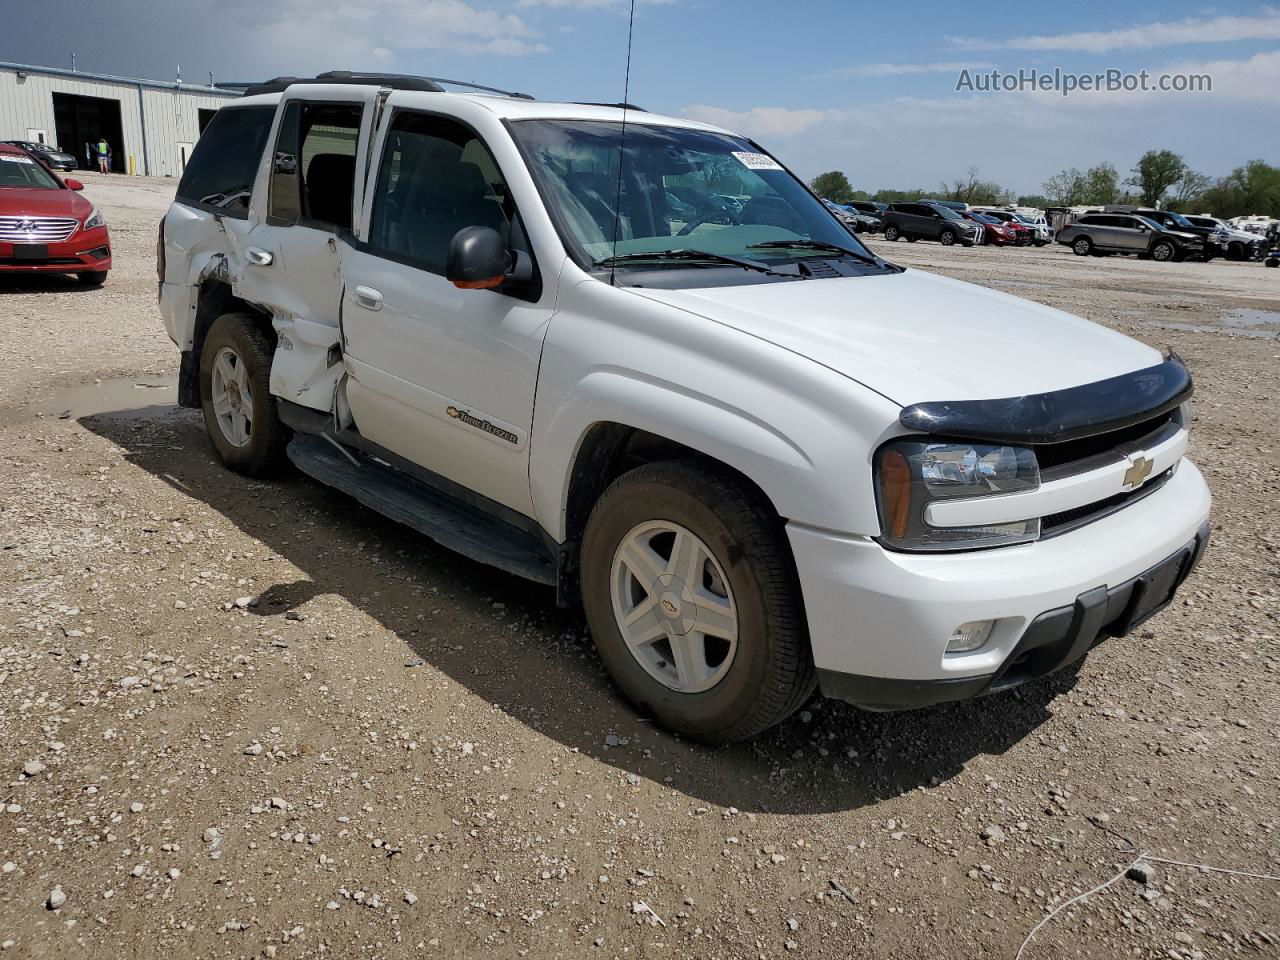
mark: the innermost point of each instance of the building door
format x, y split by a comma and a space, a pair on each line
184, 154
203, 117
81, 121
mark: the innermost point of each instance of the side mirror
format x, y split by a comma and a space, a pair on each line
73, 184
478, 259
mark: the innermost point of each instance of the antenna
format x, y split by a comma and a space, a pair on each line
622, 146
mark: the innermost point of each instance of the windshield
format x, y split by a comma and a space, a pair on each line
1150, 223
680, 190
17, 170
1179, 219
947, 212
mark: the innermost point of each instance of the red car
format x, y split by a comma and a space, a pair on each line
45, 225
998, 233
1023, 234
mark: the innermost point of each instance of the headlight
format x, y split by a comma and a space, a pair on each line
96, 219
913, 473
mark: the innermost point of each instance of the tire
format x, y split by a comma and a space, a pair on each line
892, 233
739, 687
1082, 246
93, 278
242, 350
947, 237
1163, 251
1235, 251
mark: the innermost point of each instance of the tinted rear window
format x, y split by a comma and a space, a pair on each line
225, 161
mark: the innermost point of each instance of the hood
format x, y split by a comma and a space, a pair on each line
915, 337
16, 202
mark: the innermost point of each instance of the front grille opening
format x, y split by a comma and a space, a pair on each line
1059, 523
1052, 455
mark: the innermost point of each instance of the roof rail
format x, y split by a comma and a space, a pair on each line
396, 81
620, 106
481, 87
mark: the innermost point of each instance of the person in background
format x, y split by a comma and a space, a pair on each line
102, 150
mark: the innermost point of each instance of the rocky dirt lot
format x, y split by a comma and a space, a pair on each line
252, 719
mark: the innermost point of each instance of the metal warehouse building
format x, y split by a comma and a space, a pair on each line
151, 126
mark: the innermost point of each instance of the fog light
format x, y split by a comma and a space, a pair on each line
969, 636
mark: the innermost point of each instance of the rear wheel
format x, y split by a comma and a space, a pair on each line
93, 278
239, 411
692, 599
1082, 246
892, 233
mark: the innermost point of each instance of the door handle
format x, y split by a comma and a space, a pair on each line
259, 257
368, 297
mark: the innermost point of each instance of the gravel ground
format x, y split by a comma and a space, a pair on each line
249, 719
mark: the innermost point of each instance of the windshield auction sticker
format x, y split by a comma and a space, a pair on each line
15, 159
757, 161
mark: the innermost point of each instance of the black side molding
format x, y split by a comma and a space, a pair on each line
1062, 415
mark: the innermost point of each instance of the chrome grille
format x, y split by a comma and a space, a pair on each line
37, 229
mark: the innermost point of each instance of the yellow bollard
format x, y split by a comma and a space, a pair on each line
132, 171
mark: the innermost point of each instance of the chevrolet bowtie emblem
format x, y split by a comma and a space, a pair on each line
1138, 472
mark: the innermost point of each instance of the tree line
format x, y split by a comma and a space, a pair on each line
1160, 178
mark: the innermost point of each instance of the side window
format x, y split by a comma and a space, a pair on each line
1090, 221
222, 168
436, 177
313, 168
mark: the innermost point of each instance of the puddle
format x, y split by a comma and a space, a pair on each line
126, 398
1249, 317
1025, 284
1214, 328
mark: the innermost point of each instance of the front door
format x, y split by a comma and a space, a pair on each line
290, 251
442, 376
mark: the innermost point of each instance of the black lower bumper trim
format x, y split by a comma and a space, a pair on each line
1053, 640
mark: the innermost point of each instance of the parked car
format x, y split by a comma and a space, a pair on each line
997, 233
1106, 233
45, 225
1038, 232
871, 208
1214, 239
1272, 259
846, 216
50, 156
762, 458
1234, 244
928, 221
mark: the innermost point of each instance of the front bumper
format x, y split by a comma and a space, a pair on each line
85, 251
879, 620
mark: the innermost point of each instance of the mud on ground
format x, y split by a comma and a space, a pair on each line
262, 721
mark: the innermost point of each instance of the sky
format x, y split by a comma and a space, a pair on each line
867, 88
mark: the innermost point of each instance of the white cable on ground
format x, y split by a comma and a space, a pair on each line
1083, 896
1142, 857
1205, 866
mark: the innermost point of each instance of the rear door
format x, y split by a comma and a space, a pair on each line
306, 192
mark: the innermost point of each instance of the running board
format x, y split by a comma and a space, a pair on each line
446, 520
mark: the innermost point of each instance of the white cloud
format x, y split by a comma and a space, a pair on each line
1140, 36
758, 121
905, 69
299, 30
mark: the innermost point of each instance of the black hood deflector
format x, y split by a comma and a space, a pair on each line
1062, 415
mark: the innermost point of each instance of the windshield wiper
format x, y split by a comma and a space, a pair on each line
812, 245
691, 255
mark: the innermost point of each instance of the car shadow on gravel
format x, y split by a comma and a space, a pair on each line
43, 283
504, 639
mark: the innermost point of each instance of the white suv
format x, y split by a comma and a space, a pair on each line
763, 458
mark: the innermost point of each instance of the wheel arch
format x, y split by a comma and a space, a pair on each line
213, 297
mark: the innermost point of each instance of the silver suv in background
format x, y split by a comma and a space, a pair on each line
1106, 233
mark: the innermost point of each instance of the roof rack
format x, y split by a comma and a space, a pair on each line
619, 106
396, 81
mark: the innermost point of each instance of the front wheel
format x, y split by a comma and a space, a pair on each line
1163, 251
692, 598
946, 238
239, 412
93, 278
892, 233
